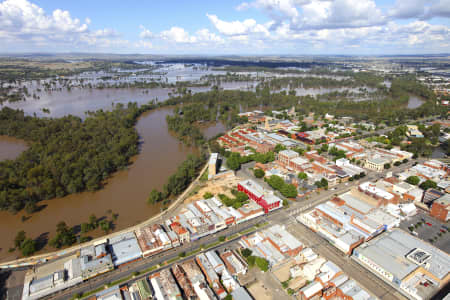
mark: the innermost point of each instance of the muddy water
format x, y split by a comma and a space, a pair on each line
125, 192
210, 130
414, 102
78, 101
10, 148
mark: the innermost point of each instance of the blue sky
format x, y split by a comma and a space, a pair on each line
294, 27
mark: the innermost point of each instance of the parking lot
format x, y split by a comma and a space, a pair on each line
435, 234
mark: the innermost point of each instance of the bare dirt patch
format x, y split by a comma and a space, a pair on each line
215, 187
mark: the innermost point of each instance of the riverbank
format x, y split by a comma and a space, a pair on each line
29, 261
125, 193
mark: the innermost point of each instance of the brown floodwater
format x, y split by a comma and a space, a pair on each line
125, 192
11, 148
211, 129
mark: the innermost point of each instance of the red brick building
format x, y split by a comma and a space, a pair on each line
440, 208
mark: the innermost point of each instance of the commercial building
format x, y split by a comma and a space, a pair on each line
275, 244
376, 163
234, 264
164, 286
124, 248
264, 198
153, 239
52, 277
94, 261
211, 276
413, 266
198, 281
440, 208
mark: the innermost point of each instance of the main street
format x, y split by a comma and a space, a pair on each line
279, 216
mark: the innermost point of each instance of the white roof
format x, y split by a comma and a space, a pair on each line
289, 153
312, 288
253, 187
371, 188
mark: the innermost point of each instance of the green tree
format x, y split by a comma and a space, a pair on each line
154, 197
414, 180
324, 183
20, 237
246, 252
28, 247
251, 260
302, 175
85, 227
289, 191
233, 161
428, 184
387, 166
208, 195
279, 148
258, 173
276, 182
262, 263
93, 221
105, 225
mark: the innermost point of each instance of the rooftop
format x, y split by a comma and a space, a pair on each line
390, 251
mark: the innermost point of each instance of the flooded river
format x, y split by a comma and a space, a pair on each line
10, 148
125, 192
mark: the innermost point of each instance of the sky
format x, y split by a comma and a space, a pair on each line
226, 27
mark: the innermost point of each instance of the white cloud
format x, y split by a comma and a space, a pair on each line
177, 35
25, 23
237, 27
420, 9
145, 33
204, 36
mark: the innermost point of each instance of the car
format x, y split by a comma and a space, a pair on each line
429, 224
415, 233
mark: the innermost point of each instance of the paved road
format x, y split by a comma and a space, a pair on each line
158, 259
368, 280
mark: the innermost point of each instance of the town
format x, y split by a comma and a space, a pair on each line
317, 207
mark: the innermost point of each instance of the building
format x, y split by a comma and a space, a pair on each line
376, 163
414, 267
267, 200
195, 275
152, 239
233, 263
285, 156
51, 277
184, 282
440, 208
164, 286
211, 276
124, 248
94, 261
181, 232
213, 164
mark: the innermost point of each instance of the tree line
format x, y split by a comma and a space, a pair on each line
65, 155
